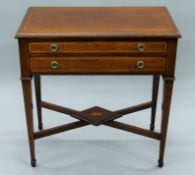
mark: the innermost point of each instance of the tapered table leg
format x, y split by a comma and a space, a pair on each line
37, 81
27, 92
155, 88
167, 93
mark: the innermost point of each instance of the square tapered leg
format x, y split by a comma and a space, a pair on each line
167, 94
155, 88
27, 92
37, 82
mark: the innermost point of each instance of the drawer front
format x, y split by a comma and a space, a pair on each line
97, 47
85, 65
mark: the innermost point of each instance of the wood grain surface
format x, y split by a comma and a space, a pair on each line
59, 22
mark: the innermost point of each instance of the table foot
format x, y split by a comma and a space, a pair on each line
151, 127
160, 163
40, 126
33, 163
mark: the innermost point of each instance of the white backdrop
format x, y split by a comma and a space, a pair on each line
96, 150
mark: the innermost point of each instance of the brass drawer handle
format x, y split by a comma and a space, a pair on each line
141, 47
140, 64
54, 65
54, 47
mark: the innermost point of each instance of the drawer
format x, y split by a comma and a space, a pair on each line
97, 47
97, 65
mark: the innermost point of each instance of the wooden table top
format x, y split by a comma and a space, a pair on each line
81, 22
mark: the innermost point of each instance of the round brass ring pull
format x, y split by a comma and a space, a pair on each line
141, 47
54, 65
140, 64
54, 47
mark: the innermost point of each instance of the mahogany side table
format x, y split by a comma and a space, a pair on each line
94, 41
